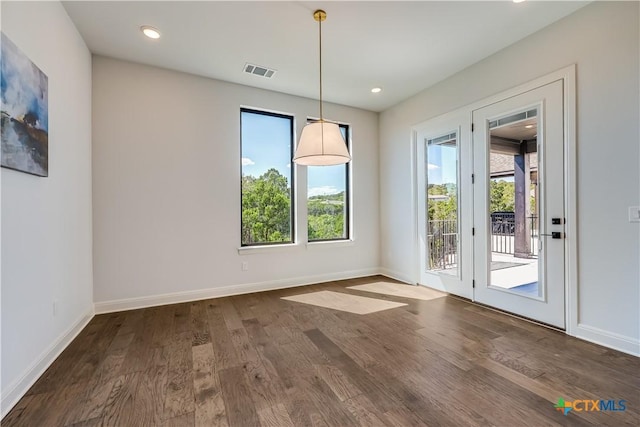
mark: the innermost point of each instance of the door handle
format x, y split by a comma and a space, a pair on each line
555, 235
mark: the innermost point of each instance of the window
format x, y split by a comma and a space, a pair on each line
328, 200
442, 203
267, 180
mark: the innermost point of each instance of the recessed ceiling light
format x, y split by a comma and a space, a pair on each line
518, 1
376, 90
529, 126
150, 32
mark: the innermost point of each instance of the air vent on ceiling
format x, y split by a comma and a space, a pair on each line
259, 70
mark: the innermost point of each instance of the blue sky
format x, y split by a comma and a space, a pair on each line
263, 149
441, 161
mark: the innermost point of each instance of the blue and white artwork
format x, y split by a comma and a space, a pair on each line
24, 90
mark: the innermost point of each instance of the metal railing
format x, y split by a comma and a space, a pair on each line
503, 231
442, 239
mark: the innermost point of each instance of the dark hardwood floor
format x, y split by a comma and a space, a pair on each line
258, 360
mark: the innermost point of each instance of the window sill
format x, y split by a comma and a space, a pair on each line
285, 247
329, 244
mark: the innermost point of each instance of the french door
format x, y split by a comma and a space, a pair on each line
443, 153
518, 205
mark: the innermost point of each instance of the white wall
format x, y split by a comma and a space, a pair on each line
46, 222
603, 40
166, 168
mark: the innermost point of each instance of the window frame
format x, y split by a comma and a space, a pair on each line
445, 137
348, 215
292, 196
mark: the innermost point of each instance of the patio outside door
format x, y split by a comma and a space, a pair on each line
519, 216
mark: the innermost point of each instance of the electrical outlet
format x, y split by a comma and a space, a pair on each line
245, 265
634, 214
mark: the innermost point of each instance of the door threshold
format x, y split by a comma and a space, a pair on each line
508, 313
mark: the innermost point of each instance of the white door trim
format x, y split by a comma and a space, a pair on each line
568, 76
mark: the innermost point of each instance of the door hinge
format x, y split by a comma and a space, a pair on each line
473, 231
472, 127
473, 178
473, 284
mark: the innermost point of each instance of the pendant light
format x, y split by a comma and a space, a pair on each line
321, 142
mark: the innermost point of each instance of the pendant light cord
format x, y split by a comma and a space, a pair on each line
320, 51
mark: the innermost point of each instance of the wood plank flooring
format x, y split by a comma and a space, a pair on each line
258, 360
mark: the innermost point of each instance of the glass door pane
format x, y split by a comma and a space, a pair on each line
513, 202
442, 158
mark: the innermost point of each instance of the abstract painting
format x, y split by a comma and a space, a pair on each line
24, 91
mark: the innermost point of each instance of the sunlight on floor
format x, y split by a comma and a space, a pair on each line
344, 302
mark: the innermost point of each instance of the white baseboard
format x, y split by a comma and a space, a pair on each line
16, 390
397, 276
612, 340
226, 291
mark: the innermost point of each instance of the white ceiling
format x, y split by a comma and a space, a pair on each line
403, 47
523, 130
